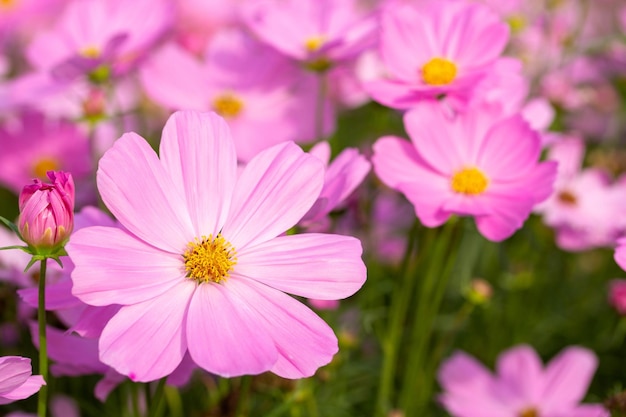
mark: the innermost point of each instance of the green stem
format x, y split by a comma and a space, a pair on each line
244, 396
157, 399
400, 303
42, 401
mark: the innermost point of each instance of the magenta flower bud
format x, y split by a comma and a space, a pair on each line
47, 212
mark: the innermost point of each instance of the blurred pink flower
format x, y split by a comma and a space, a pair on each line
100, 38
47, 212
33, 144
617, 294
342, 176
521, 385
476, 164
244, 81
202, 263
318, 33
17, 380
435, 49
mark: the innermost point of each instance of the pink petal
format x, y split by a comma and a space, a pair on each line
29, 387
583, 410
303, 340
198, 153
326, 267
395, 161
567, 378
146, 341
160, 77
510, 150
138, 191
14, 371
272, 194
223, 332
520, 370
114, 267
461, 374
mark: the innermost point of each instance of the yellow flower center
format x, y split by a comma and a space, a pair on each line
567, 197
7, 4
209, 259
469, 181
228, 105
314, 43
439, 71
90, 52
517, 23
43, 165
529, 412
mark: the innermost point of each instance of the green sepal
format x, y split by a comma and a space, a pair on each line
24, 248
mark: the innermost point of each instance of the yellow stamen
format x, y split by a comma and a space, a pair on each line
314, 43
439, 71
7, 4
517, 23
469, 181
228, 105
209, 259
43, 165
529, 412
567, 197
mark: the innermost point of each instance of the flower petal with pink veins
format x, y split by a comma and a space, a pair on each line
198, 153
395, 161
14, 371
146, 341
567, 378
224, 333
29, 387
326, 267
304, 341
273, 193
114, 267
139, 192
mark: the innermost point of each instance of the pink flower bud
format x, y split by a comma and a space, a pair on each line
47, 211
617, 295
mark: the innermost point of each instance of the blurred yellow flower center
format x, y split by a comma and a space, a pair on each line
439, 71
529, 412
567, 198
517, 23
209, 259
7, 4
228, 105
469, 181
43, 165
314, 43
90, 52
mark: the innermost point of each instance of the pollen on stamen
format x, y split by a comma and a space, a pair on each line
314, 43
439, 71
90, 52
209, 259
470, 181
228, 105
567, 197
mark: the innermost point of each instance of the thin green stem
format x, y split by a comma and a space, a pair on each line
157, 399
42, 401
244, 396
400, 303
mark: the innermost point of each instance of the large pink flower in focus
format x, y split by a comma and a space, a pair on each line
521, 387
202, 264
17, 380
477, 164
434, 49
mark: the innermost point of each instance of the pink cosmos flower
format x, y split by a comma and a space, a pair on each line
521, 386
476, 164
100, 37
47, 211
32, 145
17, 380
202, 264
318, 33
434, 49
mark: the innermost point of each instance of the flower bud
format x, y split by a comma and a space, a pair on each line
47, 212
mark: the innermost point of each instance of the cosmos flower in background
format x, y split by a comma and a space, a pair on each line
203, 260
17, 380
436, 49
476, 163
521, 385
